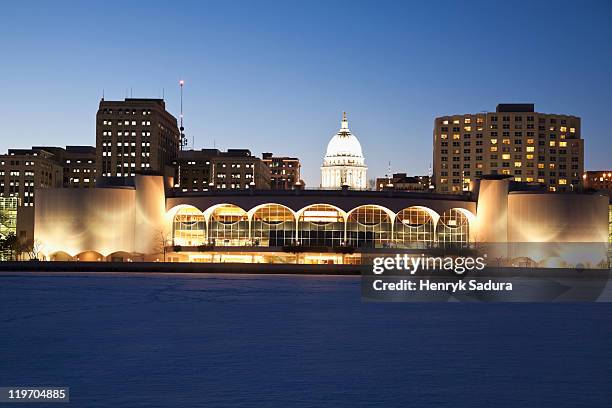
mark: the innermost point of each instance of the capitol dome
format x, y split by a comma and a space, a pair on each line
344, 164
344, 143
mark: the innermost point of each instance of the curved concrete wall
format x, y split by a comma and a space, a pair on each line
492, 211
78, 220
150, 210
544, 217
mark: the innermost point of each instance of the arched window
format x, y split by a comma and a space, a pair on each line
368, 226
453, 228
414, 228
228, 226
189, 227
321, 225
273, 225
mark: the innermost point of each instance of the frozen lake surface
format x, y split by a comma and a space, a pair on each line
292, 341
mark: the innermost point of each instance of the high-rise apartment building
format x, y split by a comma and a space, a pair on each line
211, 169
135, 136
514, 140
284, 171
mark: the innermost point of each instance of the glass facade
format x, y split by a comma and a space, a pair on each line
414, 228
453, 228
189, 227
369, 226
273, 225
321, 225
228, 225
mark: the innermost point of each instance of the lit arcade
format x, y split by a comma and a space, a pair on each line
146, 221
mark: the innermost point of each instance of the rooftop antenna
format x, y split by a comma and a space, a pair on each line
102, 93
389, 184
131, 95
182, 128
163, 93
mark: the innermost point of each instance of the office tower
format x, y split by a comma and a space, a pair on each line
135, 136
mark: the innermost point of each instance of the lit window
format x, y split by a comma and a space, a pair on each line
506, 156
518, 164
572, 130
562, 181
552, 143
562, 144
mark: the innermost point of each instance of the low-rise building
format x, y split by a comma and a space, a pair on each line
79, 163
284, 171
212, 169
401, 181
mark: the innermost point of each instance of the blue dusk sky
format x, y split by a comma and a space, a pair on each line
276, 76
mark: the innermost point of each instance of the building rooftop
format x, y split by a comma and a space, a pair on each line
515, 107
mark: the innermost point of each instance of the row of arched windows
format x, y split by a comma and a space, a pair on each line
367, 226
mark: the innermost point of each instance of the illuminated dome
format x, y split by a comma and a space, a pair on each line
344, 164
344, 143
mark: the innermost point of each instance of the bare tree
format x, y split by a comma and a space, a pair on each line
163, 239
33, 249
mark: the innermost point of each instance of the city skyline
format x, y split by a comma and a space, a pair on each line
248, 87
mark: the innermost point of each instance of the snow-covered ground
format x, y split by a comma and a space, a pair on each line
282, 341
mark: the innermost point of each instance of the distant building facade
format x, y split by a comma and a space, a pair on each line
403, 182
514, 140
600, 180
78, 162
284, 171
344, 164
135, 136
23, 170
212, 169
